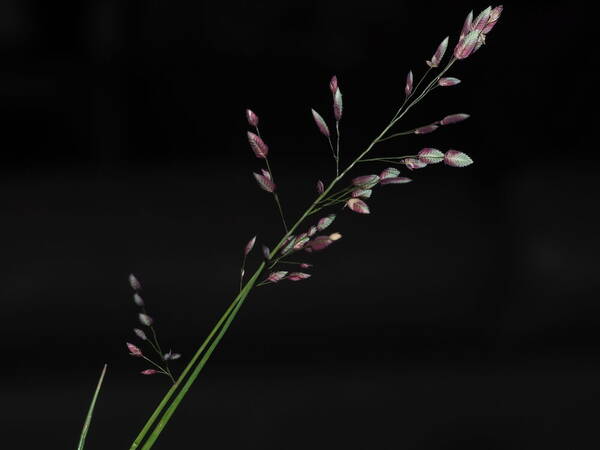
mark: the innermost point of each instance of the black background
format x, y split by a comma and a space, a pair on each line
462, 313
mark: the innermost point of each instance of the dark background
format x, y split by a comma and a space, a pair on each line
461, 314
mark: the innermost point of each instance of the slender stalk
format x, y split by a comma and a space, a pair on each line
160, 368
403, 133
242, 271
171, 410
161, 355
88, 418
389, 158
276, 196
173, 388
337, 146
227, 318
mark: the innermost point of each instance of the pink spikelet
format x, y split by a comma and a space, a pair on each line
390, 172
138, 300
323, 128
249, 246
409, 84
264, 182
361, 193
466, 46
145, 319
266, 174
301, 241
274, 277
320, 187
426, 129
448, 81
266, 252
466, 25
140, 334
260, 149
134, 283
324, 222
454, 158
366, 181
430, 156
413, 163
493, 19
252, 118
358, 206
333, 84
338, 106
481, 20
297, 276
395, 180
318, 243
454, 118
305, 266
439, 54
474, 32
134, 351
149, 372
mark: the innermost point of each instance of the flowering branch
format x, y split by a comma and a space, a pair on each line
352, 196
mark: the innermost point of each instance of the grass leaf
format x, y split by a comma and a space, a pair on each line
88, 418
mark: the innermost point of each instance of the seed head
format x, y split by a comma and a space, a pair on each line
297, 276
138, 300
249, 246
409, 84
252, 118
448, 81
366, 181
413, 163
264, 182
390, 172
274, 277
260, 149
439, 53
318, 243
361, 193
266, 252
333, 84
134, 350
396, 180
134, 283
145, 319
320, 187
430, 156
358, 206
466, 45
149, 372
426, 129
321, 124
454, 118
455, 158
324, 222
338, 106
139, 333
